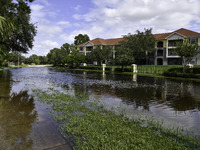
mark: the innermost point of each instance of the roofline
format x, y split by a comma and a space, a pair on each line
87, 43
175, 33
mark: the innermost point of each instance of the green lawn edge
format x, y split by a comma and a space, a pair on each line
93, 127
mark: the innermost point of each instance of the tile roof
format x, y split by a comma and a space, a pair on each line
182, 31
99, 41
115, 41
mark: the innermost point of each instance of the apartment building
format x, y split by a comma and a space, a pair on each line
164, 46
167, 42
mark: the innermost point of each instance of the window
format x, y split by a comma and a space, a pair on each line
174, 43
160, 44
172, 52
81, 48
89, 49
193, 40
160, 52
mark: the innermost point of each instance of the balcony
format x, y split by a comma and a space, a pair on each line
160, 44
174, 43
159, 52
89, 49
172, 52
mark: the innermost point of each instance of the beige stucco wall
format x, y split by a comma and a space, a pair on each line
199, 40
164, 43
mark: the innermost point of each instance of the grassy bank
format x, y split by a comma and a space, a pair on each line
93, 127
1, 68
142, 69
20, 66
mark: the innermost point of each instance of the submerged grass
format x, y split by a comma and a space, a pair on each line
2, 68
93, 127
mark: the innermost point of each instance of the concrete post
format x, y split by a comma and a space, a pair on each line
103, 66
134, 68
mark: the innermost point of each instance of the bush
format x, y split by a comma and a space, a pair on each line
91, 67
121, 70
178, 72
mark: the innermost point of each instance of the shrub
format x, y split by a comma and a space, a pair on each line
178, 72
121, 70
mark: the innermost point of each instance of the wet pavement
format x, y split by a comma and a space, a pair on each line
25, 124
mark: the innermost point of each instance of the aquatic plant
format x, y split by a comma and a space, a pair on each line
93, 127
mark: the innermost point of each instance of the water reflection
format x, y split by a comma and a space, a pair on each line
170, 99
17, 115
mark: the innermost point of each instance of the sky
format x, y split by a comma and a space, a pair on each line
59, 21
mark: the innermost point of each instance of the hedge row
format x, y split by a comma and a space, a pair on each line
188, 70
95, 68
182, 75
178, 72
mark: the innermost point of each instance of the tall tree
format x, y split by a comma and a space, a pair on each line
187, 52
79, 39
124, 56
140, 45
56, 56
18, 13
100, 54
66, 47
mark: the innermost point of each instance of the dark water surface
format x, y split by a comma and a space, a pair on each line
24, 123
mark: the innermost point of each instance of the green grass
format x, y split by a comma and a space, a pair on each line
20, 66
93, 127
1, 68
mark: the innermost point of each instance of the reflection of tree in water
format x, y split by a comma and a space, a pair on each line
181, 98
17, 115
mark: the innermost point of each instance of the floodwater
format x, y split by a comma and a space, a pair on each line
25, 123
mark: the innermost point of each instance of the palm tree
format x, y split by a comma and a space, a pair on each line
5, 28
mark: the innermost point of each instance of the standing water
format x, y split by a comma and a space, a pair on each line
25, 123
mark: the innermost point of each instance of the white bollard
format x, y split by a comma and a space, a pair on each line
103, 66
134, 68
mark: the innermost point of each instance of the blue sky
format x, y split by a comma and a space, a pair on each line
59, 21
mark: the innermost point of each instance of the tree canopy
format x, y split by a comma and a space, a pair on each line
18, 12
79, 39
187, 52
5, 28
100, 54
139, 46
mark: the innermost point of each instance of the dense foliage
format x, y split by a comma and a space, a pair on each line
100, 54
136, 48
79, 39
17, 13
187, 52
188, 72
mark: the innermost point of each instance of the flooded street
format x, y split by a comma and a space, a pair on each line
26, 124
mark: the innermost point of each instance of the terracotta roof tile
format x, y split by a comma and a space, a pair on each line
182, 31
187, 33
115, 41
99, 41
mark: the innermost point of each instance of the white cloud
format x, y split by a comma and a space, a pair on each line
160, 14
49, 31
77, 8
113, 18
64, 23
